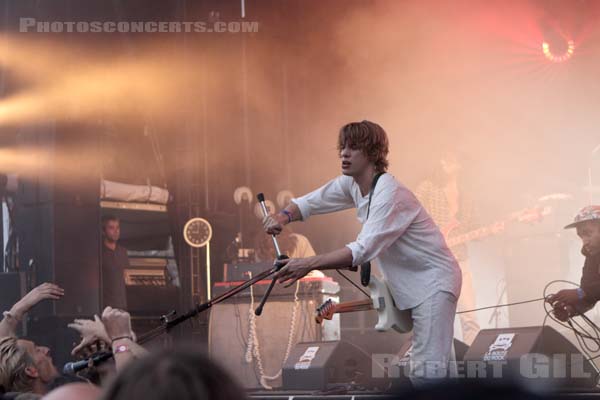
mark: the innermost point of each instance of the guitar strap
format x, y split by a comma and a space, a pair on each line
365, 268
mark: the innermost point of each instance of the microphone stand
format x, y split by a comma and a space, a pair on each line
277, 266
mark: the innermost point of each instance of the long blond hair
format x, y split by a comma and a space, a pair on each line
14, 359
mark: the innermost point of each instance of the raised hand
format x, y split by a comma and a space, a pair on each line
92, 332
37, 294
117, 323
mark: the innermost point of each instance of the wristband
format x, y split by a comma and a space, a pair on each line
9, 315
289, 215
580, 293
121, 337
122, 348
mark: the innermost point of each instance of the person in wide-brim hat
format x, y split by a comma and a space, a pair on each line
569, 302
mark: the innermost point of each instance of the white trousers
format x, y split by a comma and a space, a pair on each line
433, 335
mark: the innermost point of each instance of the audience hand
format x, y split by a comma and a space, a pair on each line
37, 294
117, 323
92, 332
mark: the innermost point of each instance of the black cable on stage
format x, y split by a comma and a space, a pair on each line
502, 305
582, 335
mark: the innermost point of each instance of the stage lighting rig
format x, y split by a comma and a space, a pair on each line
557, 46
558, 56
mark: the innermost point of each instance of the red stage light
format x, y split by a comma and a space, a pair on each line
558, 58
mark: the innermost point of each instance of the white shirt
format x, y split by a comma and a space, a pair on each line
399, 234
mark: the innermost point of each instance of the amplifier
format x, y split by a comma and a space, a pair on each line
536, 356
317, 365
145, 277
146, 271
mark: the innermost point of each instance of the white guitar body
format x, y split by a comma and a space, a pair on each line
389, 317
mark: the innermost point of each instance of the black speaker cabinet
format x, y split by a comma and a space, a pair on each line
537, 356
58, 227
58, 215
317, 365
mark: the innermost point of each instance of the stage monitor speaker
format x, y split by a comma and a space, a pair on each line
319, 365
536, 356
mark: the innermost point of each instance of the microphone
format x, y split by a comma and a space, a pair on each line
260, 197
72, 368
261, 200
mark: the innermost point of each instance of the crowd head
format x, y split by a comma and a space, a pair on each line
174, 374
24, 366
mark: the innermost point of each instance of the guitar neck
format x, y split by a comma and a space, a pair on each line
529, 215
477, 234
351, 306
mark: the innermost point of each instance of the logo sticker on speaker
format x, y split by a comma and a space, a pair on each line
306, 358
499, 349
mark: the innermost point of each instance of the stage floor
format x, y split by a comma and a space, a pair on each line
572, 394
288, 395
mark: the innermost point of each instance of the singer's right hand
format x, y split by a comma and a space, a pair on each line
273, 223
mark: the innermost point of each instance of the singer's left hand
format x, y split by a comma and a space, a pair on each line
294, 269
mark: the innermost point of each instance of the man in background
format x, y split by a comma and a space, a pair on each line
114, 263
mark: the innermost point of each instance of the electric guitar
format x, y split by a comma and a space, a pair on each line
528, 215
389, 317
